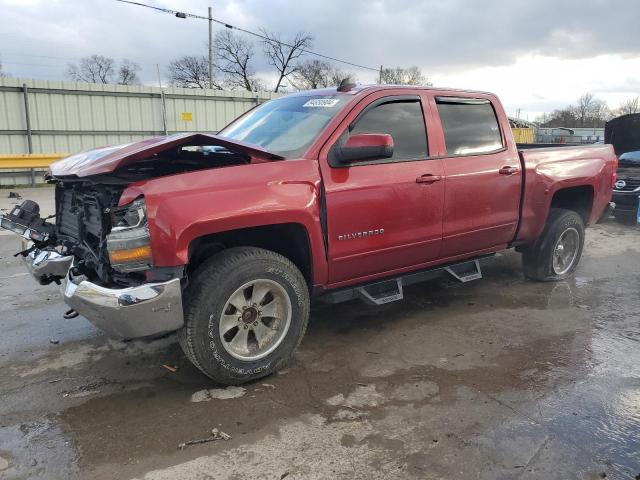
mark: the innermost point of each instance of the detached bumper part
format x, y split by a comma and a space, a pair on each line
133, 312
47, 265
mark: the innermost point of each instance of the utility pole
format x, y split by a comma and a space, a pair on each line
210, 47
162, 101
159, 78
380, 76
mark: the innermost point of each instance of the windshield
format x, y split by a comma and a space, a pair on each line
286, 126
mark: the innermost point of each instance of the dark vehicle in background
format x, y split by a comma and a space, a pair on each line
624, 134
627, 187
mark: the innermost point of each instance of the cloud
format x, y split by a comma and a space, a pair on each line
446, 38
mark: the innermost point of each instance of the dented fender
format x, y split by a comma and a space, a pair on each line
182, 208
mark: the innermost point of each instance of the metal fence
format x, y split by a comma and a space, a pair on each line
45, 116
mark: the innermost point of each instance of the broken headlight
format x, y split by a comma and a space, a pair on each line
128, 243
25, 221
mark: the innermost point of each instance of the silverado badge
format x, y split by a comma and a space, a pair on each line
365, 234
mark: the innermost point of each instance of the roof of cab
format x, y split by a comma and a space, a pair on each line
372, 88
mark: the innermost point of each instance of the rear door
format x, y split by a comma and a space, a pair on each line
381, 215
482, 176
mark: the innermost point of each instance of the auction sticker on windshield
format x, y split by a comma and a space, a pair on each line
321, 102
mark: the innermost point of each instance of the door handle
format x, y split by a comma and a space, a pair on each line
428, 178
508, 170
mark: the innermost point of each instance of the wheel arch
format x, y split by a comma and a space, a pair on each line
577, 198
290, 240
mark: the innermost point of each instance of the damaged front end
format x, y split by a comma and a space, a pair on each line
100, 255
99, 250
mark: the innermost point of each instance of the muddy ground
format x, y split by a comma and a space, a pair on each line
498, 378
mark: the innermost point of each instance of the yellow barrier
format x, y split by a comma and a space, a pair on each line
34, 160
523, 135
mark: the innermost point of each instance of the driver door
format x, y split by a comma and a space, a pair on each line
383, 216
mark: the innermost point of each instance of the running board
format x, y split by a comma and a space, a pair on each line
381, 292
387, 291
465, 272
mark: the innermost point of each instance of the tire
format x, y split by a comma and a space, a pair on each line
230, 353
538, 259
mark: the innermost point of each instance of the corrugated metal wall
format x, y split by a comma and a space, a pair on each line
68, 117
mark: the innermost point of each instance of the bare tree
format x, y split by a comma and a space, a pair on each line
235, 54
2, 72
338, 76
590, 112
312, 74
563, 117
283, 57
92, 69
190, 71
586, 104
403, 76
128, 73
629, 106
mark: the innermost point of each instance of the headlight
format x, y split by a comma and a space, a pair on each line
128, 243
133, 215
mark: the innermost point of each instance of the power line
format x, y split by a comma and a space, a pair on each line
244, 30
39, 65
21, 54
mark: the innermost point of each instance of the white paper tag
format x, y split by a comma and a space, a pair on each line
321, 102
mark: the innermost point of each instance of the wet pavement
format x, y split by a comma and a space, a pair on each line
495, 379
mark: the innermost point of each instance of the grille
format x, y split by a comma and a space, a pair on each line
68, 217
79, 214
631, 185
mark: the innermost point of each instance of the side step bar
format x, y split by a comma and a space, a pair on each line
381, 292
465, 272
387, 291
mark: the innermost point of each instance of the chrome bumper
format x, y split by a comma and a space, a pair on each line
46, 264
133, 312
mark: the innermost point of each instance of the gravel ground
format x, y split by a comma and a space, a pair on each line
499, 378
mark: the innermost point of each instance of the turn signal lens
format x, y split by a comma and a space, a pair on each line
138, 254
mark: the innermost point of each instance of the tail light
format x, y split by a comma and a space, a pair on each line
614, 174
128, 243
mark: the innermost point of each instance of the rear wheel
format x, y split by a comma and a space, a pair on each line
246, 311
556, 254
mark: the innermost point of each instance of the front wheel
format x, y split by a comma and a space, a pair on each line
556, 254
246, 311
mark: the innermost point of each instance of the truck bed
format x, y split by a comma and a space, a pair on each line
590, 168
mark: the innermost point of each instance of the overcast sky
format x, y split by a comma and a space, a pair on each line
536, 55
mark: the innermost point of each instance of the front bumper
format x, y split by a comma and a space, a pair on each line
626, 202
133, 312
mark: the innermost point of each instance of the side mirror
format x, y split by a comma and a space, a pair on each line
365, 146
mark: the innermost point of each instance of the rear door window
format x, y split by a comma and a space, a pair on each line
470, 126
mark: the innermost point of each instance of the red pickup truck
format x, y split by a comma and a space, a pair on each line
339, 193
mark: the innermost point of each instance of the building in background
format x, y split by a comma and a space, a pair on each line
569, 135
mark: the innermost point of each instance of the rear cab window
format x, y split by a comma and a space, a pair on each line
470, 126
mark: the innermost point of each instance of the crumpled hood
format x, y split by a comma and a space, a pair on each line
107, 159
